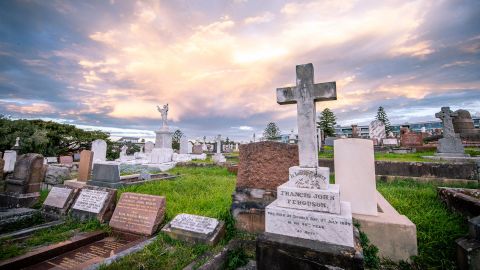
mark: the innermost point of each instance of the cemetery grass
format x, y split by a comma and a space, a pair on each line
202, 191
437, 227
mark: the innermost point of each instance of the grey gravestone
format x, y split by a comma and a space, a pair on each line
59, 200
149, 147
94, 202
450, 145
195, 229
22, 188
329, 141
105, 175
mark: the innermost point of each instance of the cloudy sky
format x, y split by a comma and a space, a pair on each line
107, 64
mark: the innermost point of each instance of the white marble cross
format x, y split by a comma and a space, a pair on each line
305, 94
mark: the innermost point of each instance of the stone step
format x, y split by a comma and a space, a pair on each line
326, 227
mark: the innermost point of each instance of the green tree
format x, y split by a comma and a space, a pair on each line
382, 116
271, 132
177, 135
46, 137
327, 122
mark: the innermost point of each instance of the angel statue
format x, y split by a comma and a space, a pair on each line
164, 112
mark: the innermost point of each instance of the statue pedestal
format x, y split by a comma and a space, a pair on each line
163, 138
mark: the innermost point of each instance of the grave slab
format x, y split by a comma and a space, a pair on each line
94, 202
138, 213
325, 227
59, 200
195, 229
105, 175
323, 200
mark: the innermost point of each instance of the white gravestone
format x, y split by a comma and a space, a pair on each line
149, 147
376, 131
307, 206
10, 158
355, 173
90, 200
193, 223
190, 147
184, 145
219, 158
390, 142
99, 149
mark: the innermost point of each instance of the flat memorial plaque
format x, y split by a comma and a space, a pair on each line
193, 223
57, 197
90, 200
138, 213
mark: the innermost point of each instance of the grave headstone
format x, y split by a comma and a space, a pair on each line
94, 202
183, 145
149, 146
99, 149
51, 160
66, 159
393, 142
22, 188
450, 145
59, 200
195, 229
307, 206
105, 175
190, 148
197, 149
355, 132
76, 157
10, 158
376, 131
219, 158
355, 173
138, 213
85, 167
411, 139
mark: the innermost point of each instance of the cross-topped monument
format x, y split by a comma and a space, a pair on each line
446, 115
305, 94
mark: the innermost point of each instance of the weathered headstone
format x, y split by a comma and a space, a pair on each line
66, 159
190, 148
123, 152
149, 146
76, 157
376, 131
329, 141
355, 132
105, 175
99, 149
451, 144
85, 167
411, 139
355, 173
94, 202
196, 229
59, 200
263, 166
197, 149
10, 158
219, 158
307, 206
22, 188
138, 213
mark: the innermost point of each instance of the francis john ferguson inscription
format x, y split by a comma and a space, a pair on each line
138, 213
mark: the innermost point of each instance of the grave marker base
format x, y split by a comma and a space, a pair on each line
280, 252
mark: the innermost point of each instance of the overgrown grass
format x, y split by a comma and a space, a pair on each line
200, 191
437, 227
9, 249
408, 157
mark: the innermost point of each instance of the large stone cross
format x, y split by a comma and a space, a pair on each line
446, 115
305, 94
